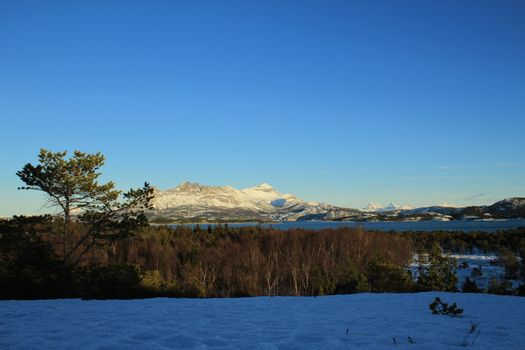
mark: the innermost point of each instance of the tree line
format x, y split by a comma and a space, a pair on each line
219, 262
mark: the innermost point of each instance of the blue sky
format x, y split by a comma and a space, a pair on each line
344, 102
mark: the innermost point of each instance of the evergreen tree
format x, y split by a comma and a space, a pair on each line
509, 261
440, 275
72, 186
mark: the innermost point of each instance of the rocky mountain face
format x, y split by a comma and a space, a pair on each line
192, 202
507, 208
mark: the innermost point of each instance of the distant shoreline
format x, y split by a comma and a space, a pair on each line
398, 226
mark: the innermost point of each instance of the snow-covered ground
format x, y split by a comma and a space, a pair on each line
467, 264
372, 321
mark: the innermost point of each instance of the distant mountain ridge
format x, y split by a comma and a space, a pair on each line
193, 202
376, 207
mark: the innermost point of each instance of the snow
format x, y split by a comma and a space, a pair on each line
257, 198
371, 320
448, 205
372, 207
391, 206
376, 207
482, 262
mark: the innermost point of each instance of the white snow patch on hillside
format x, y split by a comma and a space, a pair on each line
372, 321
448, 205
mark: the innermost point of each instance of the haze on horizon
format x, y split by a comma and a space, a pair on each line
343, 102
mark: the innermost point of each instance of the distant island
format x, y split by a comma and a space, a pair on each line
193, 202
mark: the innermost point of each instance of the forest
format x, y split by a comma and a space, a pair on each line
223, 262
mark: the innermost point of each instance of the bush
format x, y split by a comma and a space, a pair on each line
153, 280
387, 277
322, 283
469, 286
502, 287
112, 281
520, 291
29, 267
439, 307
355, 282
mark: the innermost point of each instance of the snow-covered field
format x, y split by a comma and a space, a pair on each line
372, 321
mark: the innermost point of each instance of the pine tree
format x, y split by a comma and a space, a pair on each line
440, 275
72, 186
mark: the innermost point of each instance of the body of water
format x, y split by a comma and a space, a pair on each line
458, 225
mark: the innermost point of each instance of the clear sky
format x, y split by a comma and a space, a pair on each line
344, 102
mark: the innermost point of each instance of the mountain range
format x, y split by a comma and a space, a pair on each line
193, 202
376, 207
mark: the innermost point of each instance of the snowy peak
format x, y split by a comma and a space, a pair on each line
391, 206
262, 191
372, 207
261, 187
515, 206
512, 203
376, 207
193, 195
188, 187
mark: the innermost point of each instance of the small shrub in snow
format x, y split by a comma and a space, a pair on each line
469, 286
438, 307
410, 340
520, 291
472, 335
503, 287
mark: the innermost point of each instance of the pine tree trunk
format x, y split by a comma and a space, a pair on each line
67, 219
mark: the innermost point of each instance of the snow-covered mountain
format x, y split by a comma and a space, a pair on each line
192, 202
515, 203
372, 207
509, 207
378, 208
258, 198
195, 202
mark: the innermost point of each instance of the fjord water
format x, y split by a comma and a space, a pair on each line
457, 225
